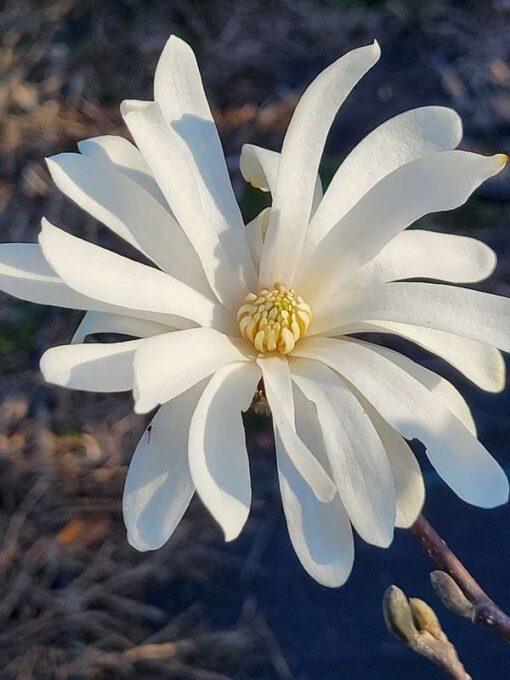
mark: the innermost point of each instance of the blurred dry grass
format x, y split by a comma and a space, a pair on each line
75, 600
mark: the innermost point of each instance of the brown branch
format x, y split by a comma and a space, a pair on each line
484, 610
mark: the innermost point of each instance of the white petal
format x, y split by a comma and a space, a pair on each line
125, 157
129, 211
409, 486
444, 390
103, 322
218, 458
180, 94
91, 367
397, 141
179, 133
25, 273
320, 532
278, 387
86, 181
256, 232
481, 363
412, 410
158, 484
259, 167
435, 182
468, 313
190, 186
169, 364
357, 457
299, 164
116, 280
419, 254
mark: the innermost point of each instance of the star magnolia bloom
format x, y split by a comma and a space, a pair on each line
226, 305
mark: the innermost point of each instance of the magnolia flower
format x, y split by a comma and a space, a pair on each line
218, 306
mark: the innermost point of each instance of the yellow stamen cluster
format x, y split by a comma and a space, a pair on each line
274, 319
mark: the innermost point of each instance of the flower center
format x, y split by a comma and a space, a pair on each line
274, 319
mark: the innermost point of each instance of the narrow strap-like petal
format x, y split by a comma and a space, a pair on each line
419, 254
104, 322
299, 164
409, 485
407, 476
357, 457
101, 274
126, 158
321, 533
187, 183
398, 141
481, 363
171, 363
217, 446
468, 313
435, 182
131, 212
26, 274
179, 91
278, 387
256, 232
158, 484
442, 388
259, 168
410, 408
94, 367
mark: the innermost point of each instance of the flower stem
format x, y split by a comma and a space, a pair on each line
484, 611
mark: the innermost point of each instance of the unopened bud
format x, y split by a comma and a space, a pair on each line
425, 618
450, 594
398, 616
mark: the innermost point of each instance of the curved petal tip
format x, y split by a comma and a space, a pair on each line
503, 158
45, 367
231, 533
136, 543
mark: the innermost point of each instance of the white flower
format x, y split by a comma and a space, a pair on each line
229, 305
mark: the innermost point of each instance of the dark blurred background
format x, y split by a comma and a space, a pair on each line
75, 600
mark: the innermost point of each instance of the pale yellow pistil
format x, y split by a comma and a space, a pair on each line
274, 319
